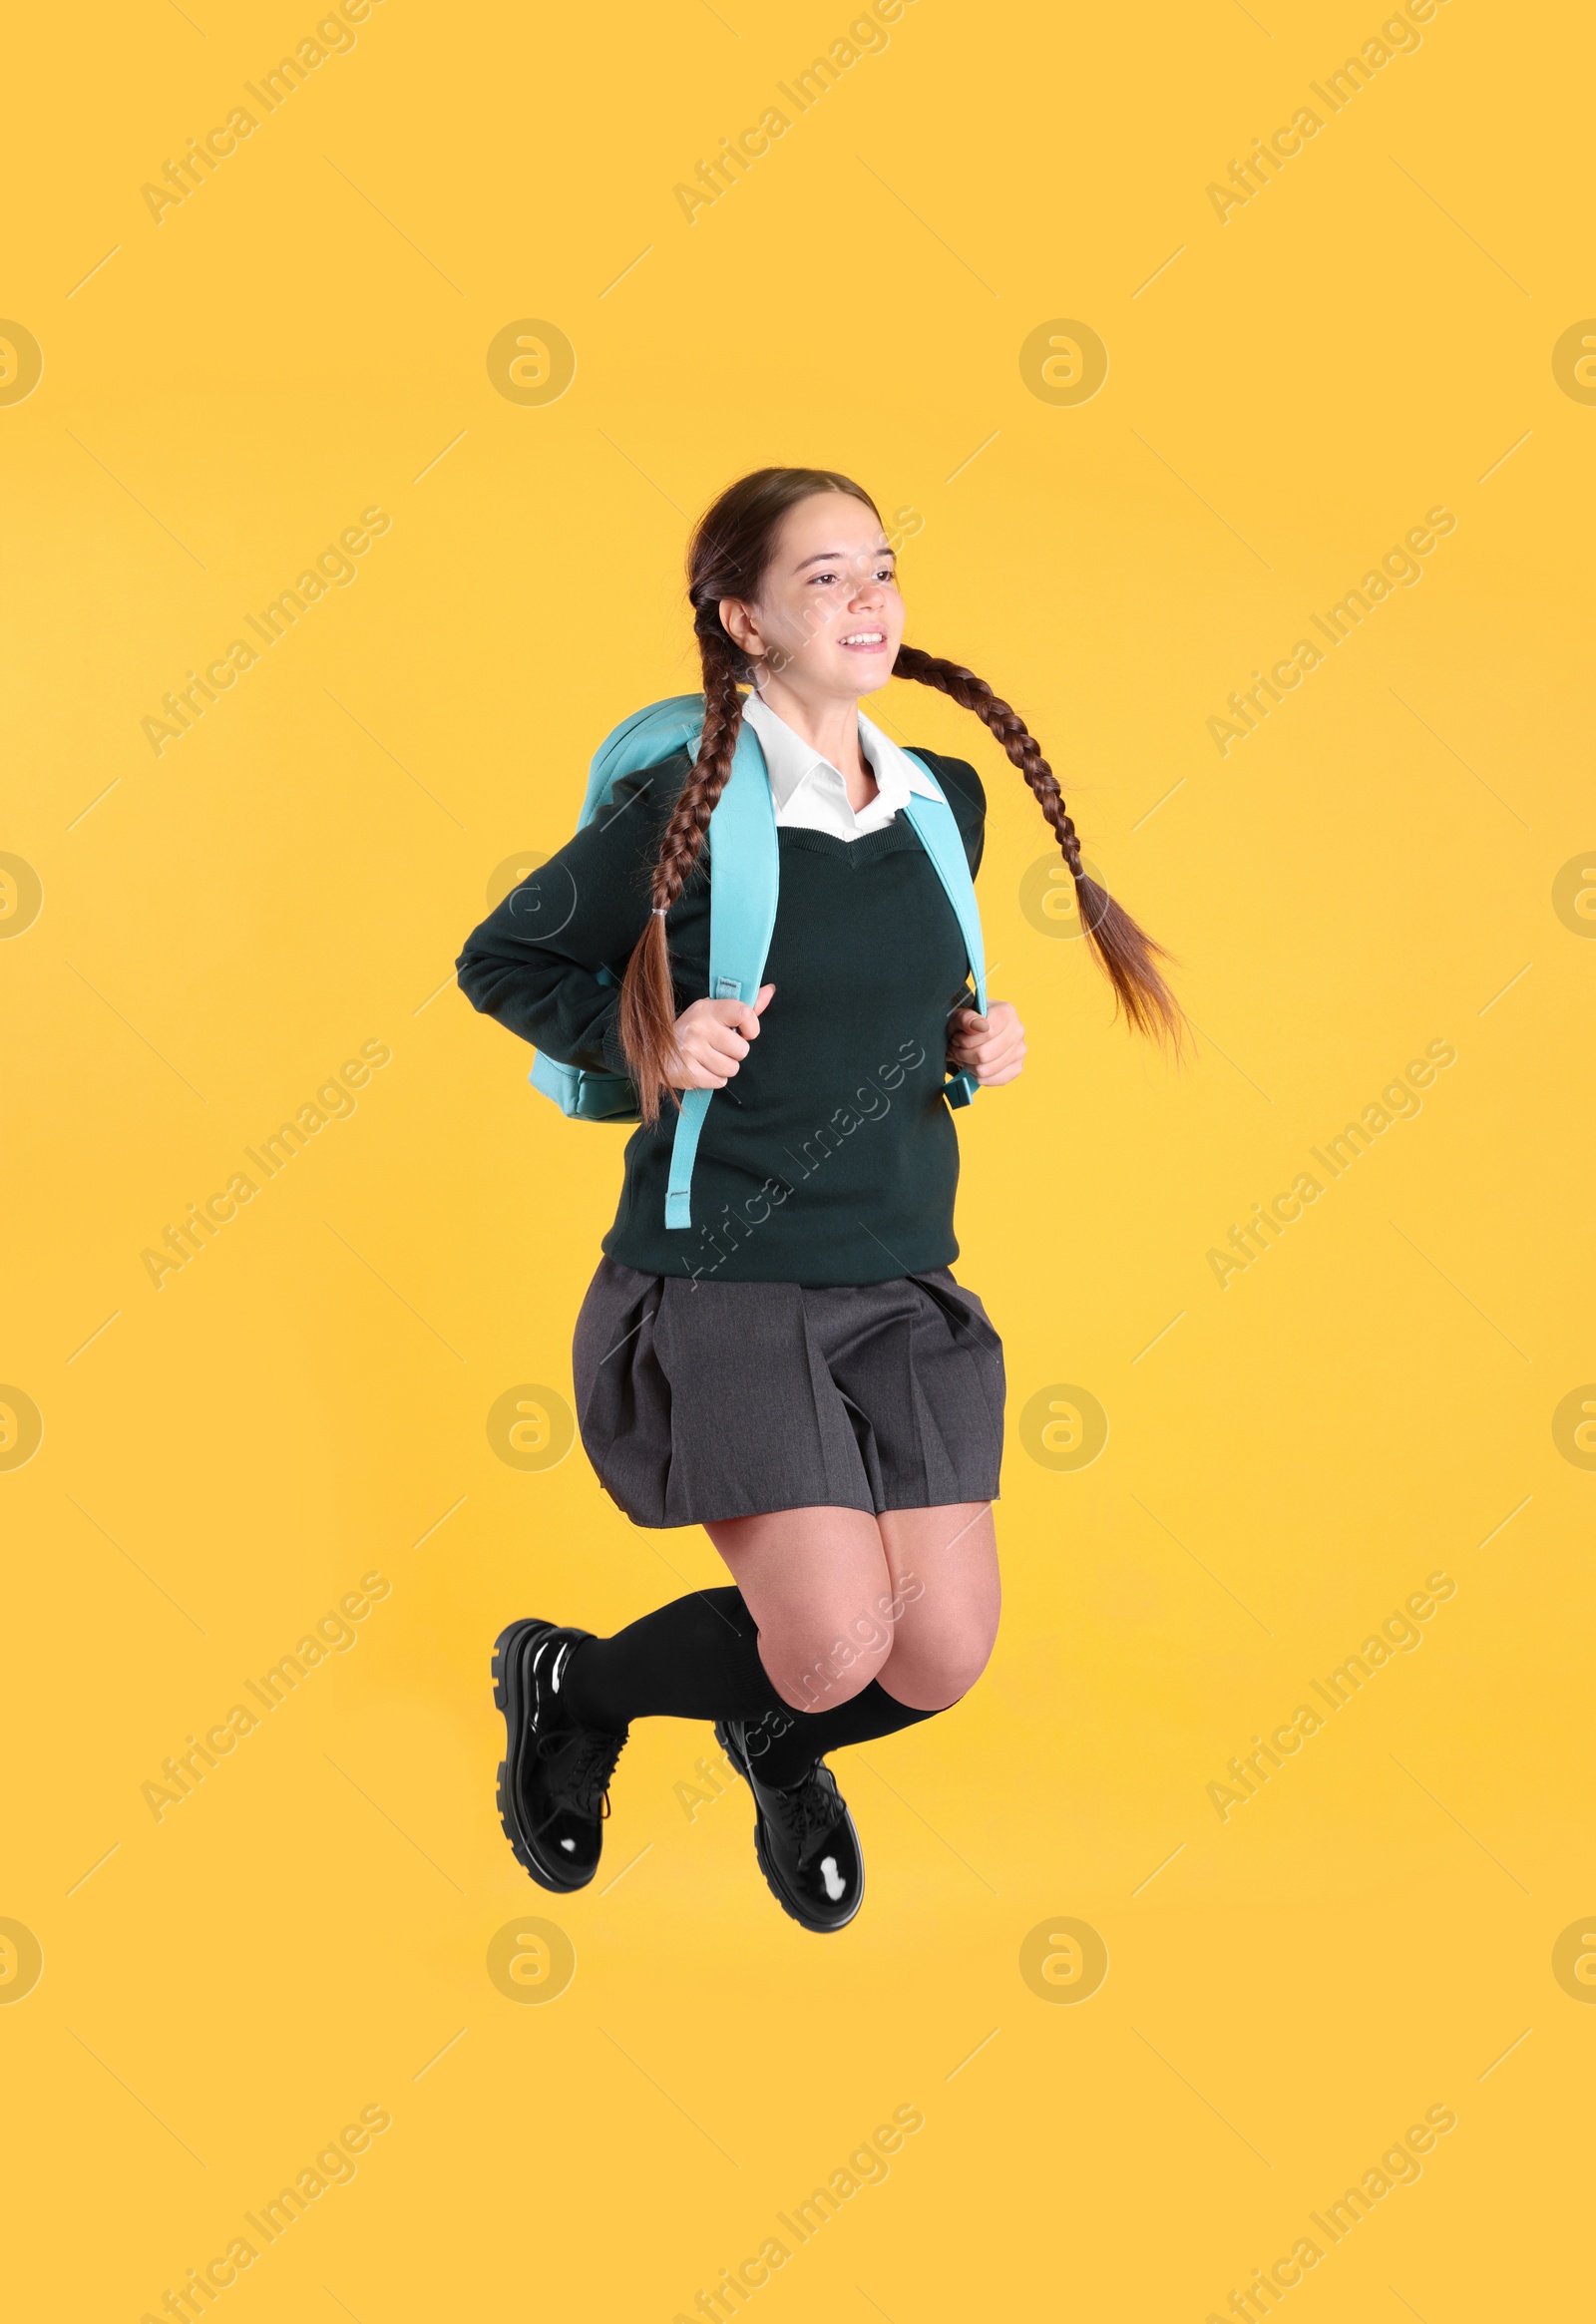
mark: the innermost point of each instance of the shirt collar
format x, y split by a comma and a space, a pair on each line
790, 761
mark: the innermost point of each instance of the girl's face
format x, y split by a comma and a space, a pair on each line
828, 620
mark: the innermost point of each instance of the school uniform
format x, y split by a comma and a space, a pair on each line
804, 1343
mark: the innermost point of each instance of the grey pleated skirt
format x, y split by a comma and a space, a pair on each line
699, 1403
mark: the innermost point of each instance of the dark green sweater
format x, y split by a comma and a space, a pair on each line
830, 1156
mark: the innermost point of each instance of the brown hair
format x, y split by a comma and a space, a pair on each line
728, 556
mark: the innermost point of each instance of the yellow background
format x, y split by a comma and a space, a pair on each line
224, 922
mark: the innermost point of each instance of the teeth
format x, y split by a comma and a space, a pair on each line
864, 637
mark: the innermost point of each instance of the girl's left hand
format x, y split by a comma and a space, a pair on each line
994, 1045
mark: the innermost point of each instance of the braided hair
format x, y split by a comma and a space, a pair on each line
728, 556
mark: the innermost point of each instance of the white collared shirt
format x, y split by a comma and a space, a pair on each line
810, 792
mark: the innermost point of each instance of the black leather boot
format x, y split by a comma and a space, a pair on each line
804, 1838
553, 1781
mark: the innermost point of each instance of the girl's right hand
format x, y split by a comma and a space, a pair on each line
712, 1039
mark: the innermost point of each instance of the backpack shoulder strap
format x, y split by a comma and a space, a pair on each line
937, 831
745, 874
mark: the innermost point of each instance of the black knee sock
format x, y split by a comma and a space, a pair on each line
792, 1750
698, 1658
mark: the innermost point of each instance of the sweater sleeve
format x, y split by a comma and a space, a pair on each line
534, 963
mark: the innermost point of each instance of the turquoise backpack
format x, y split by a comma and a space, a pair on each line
744, 878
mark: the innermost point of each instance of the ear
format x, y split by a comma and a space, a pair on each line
738, 622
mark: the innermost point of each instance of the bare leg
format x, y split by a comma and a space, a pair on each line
817, 1584
944, 1567
840, 1598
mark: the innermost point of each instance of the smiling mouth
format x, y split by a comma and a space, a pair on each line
864, 640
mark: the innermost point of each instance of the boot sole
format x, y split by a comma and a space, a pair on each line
819, 1928
510, 1697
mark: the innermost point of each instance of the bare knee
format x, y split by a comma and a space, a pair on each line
931, 1665
822, 1660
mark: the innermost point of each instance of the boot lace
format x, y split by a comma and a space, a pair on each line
582, 1761
809, 1812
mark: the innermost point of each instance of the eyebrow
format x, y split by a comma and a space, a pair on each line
840, 556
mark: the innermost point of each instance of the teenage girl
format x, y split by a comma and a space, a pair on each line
803, 1378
